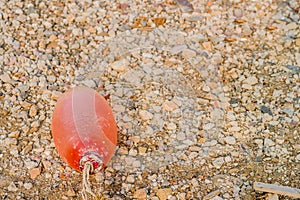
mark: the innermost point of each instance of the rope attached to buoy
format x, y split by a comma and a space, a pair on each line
88, 168
87, 163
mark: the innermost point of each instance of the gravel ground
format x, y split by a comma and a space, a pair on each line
207, 100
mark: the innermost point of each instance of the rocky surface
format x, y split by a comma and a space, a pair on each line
206, 95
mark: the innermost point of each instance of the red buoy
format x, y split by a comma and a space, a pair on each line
84, 128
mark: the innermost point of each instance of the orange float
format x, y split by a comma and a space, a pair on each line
84, 129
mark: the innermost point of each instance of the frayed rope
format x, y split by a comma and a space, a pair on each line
86, 190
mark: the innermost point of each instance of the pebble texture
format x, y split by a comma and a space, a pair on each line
206, 95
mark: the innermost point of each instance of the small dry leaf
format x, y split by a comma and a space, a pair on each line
207, 10
271, 28
140, 22
58, 4
230, 39
159, 21
239, 21
201, 140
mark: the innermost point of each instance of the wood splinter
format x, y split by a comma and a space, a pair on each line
277, 189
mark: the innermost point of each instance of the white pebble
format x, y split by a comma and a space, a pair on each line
28, 186
120, 65
169, 106
268, 142
145, 115
89, 83
177, 49
77, 32
5, 78
130, 179
247, 86
208, 126
171, 126
12, 187
188, 53
218, 162
181, 136
230, 140
252, 80
272, 197
228, 159
234, 129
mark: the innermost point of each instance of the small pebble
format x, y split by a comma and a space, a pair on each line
120, 66
208, 126
140, 194
250, 106
172, 126
12, 187
288, 111
234, 129
34, 173
218, 162
207, 46
272, 197
71, 193
145, 115
230, 140
293, 68
5, 78
33, 111
211, 195
252, 80
55, 95
89, 83
292, 25
268, 142
247, 86
28, 186
181, 136
297, 146
169, 106
188, 53
46, 164
164, 193
265, 109
177, 49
